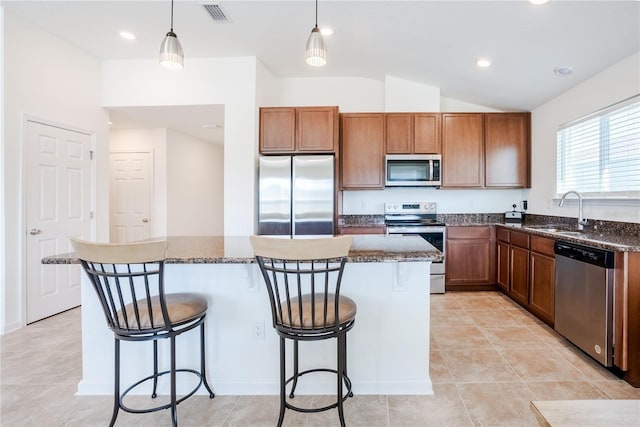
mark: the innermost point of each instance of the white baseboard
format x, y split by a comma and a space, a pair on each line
270, 388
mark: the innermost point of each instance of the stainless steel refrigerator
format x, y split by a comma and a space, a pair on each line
296, 195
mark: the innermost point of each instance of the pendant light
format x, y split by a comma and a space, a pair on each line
316, 51
171, 55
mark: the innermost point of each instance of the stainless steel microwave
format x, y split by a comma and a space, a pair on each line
413, 170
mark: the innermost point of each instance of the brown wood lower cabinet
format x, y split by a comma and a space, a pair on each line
470, 258
362, 230
526, 271
519, 275
502, 258
542, 266
627, 315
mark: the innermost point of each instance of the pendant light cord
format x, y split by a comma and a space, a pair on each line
172, 16
316, 13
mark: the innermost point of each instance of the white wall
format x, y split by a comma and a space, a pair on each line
46, 78
227, 81
614, 84
351, 94
154, 141
450, 105
402, 95
195, 186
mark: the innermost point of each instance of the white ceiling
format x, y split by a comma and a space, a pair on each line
430, 42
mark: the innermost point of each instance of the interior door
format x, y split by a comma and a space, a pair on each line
130, 196
58, 206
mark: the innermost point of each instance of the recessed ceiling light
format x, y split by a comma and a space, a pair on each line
326, 31
563, 71
538, 2
483, 62
127, 35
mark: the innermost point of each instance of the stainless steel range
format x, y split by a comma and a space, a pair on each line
419, 218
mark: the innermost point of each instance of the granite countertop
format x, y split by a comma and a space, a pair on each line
237, 250
621, 237
613, 242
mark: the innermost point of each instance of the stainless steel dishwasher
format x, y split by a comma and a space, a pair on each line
584, 298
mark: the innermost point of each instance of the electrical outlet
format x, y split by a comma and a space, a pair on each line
258, 330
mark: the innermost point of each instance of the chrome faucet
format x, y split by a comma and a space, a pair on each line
582, 221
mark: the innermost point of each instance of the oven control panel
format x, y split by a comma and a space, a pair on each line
410, 208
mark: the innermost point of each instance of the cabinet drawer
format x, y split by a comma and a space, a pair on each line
502, 235
362, 230
542, 245
468, 232
520, 239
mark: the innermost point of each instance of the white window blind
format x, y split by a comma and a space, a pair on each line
600, 153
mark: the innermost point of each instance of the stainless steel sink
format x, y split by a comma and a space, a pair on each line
557, 230
572, 233
547, 228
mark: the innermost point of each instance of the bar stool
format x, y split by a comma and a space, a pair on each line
303, 278
129, 281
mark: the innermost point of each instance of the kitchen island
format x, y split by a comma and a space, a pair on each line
387, 276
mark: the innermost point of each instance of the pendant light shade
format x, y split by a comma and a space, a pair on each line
316, 52
171, 54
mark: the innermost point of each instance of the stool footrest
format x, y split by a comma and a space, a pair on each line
160, 407
347, 394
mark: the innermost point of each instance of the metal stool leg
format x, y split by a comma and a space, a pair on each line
283, 381
295, 369
174, 409
344, 355
154, 393
202, 363
341, 370
116, 382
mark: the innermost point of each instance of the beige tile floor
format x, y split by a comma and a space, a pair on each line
489, 359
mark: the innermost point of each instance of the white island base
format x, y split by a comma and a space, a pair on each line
388, 348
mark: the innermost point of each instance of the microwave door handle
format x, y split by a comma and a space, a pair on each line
430, 163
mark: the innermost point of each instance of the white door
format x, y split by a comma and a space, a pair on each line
58, 206
130, 196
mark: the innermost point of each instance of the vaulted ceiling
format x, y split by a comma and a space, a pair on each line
432, 42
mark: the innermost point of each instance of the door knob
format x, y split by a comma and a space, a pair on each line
145, 220
35, 231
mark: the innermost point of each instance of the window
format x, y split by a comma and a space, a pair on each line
600, 153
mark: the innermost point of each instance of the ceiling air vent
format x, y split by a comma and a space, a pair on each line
216, 12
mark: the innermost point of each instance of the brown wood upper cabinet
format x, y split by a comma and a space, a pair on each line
412, 133
488, 150
462, 150
507, 147
362, 150
298, 129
